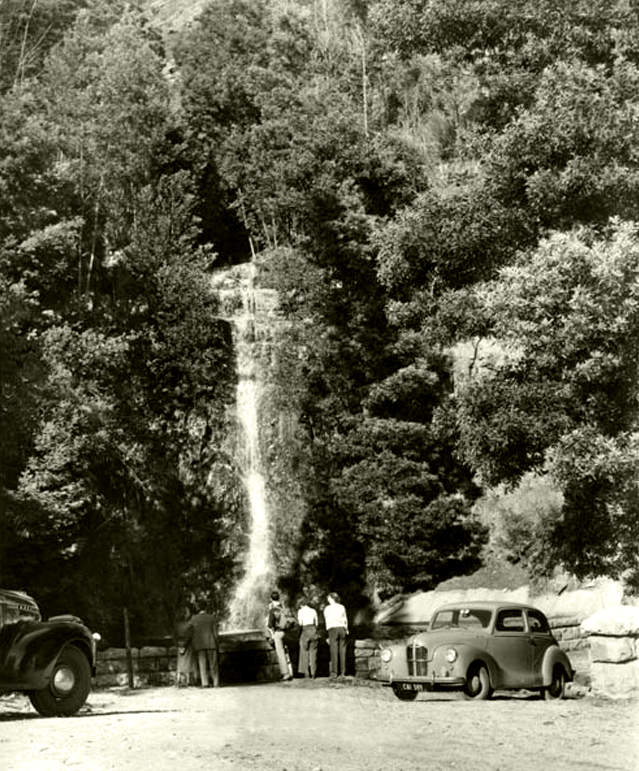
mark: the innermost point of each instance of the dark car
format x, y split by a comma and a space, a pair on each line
51, 661
479, 647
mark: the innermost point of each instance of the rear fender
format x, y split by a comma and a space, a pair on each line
554, 656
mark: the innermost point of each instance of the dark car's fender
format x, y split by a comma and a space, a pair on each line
31, 649
553, 656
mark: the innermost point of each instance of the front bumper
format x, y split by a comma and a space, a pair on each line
425, 683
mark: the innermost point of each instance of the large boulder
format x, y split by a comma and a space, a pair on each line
614, 639
418, 608
615, 680
613, 650
582, 600
616, 621
576, 602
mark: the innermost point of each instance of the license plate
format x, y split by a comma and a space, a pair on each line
410, 686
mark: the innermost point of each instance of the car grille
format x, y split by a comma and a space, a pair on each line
416, 659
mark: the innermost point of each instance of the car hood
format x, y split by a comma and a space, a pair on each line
445, 636
20, 603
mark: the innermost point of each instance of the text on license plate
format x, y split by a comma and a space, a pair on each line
410, 686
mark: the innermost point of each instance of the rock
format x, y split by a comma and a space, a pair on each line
116, 653
620, 620
419, 607
574, 600
615, 680
612, 649
582, 601
151, 651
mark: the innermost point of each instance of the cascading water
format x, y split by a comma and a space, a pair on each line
247, 608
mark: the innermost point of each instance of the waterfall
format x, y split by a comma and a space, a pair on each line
248, 605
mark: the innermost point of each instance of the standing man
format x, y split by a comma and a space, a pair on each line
202, 636
307, 619
337, 628
276, 623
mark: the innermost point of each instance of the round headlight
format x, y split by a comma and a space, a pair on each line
386, 655
451, 655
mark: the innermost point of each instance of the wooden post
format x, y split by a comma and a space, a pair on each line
127, 643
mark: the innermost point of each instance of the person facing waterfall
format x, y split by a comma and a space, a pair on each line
277, 624
309, 638
201, 635
337, 629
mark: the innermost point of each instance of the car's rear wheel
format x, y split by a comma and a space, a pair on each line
478, 685
557, 687
69, 686
403, 695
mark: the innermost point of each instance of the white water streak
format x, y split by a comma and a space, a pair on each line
248, 603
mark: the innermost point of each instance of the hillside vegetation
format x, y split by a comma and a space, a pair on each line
444, 195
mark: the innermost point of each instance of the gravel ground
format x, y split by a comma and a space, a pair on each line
318, 725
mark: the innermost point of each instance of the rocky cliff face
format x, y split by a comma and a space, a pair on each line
173, 15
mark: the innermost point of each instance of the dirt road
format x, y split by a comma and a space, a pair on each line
307, 726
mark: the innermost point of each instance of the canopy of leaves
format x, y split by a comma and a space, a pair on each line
119, 371
566, 397
441, 198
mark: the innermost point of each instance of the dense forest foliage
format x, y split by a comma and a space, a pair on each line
444, 195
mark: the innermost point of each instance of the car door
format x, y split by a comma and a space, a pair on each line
510, 647
540, 640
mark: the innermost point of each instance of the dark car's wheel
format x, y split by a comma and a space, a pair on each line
557, 687
404, 695
478, 684
69, 687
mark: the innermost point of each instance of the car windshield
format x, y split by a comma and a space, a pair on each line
461, 618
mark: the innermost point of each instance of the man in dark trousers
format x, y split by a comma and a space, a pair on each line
201, 634
337, 628
276, 624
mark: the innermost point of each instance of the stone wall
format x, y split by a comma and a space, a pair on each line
613, 634
575, 642
244, 657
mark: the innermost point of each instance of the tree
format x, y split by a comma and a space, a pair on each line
570, 158
396, 485
28, 30
563, 397
130, 435
507, 44
109, 102
121, 484
235, 52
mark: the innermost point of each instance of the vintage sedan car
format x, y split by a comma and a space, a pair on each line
51, 661
479, 647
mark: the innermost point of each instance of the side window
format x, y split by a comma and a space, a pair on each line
510, 621
537, 622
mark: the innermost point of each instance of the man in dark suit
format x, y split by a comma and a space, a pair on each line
201, 633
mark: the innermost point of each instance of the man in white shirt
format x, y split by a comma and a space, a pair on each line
307, 619
337, 628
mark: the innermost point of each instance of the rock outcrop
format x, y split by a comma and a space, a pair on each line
613, 633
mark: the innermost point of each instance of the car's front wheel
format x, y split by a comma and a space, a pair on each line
478, 685
69, 686
557, 687
403, 695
